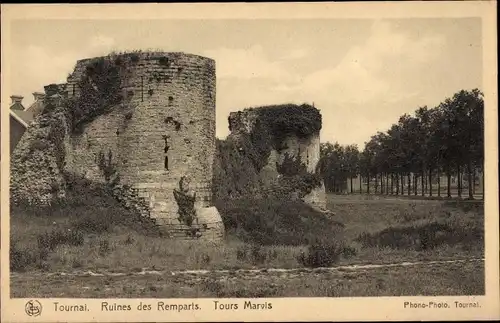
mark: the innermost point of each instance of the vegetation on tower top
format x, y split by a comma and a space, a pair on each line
301, 120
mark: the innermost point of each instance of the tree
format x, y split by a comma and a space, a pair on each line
352, 162
448, 138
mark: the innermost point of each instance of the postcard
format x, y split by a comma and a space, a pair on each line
249, 162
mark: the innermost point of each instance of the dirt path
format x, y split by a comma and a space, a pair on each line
242, 272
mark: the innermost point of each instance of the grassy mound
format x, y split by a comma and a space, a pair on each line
270, 221
88, 210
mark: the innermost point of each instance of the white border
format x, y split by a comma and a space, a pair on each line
292, 309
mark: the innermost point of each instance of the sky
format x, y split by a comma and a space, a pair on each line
362, 74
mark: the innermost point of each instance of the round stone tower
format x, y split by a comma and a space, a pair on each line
162, 131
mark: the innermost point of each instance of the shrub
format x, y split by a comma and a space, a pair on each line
76, 263
422, 237
106, 165
258, 255
241, 253
205, 259
129, 240
322, 254
273, 254
349, 252
21, 259
50, 240
92, 224
104, 247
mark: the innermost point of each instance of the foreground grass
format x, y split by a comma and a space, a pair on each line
443, 279
373, 230
104, 237
393, 230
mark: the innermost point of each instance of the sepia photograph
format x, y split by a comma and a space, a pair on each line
248, 159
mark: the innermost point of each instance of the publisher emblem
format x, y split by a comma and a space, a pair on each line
33, 308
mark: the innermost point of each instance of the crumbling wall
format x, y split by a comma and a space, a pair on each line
38, 161
307, 150
304, 148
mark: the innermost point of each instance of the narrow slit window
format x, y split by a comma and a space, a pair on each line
165, 151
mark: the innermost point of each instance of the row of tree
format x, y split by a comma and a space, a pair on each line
444, 140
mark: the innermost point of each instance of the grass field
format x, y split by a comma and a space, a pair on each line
376, 231
448, 279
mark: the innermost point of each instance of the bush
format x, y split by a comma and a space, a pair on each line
22, 259
92, 224
322, 254
129, 240
19, 259
205, 259
422, 237
50, 240
258, 255
76, 263
104, 247
255, 254
349, 252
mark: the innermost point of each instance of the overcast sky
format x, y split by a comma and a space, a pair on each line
361, 74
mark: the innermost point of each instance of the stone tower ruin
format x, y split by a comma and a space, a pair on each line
305, 148
162, 130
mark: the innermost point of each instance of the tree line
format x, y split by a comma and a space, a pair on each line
446, 140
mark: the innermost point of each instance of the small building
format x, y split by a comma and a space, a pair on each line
21, 117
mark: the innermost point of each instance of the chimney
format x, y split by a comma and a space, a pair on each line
38, 95
17, 99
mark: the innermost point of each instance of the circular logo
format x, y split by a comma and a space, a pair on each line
33, 308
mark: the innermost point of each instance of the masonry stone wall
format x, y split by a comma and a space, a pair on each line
35, 170
306, 149
163, 130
